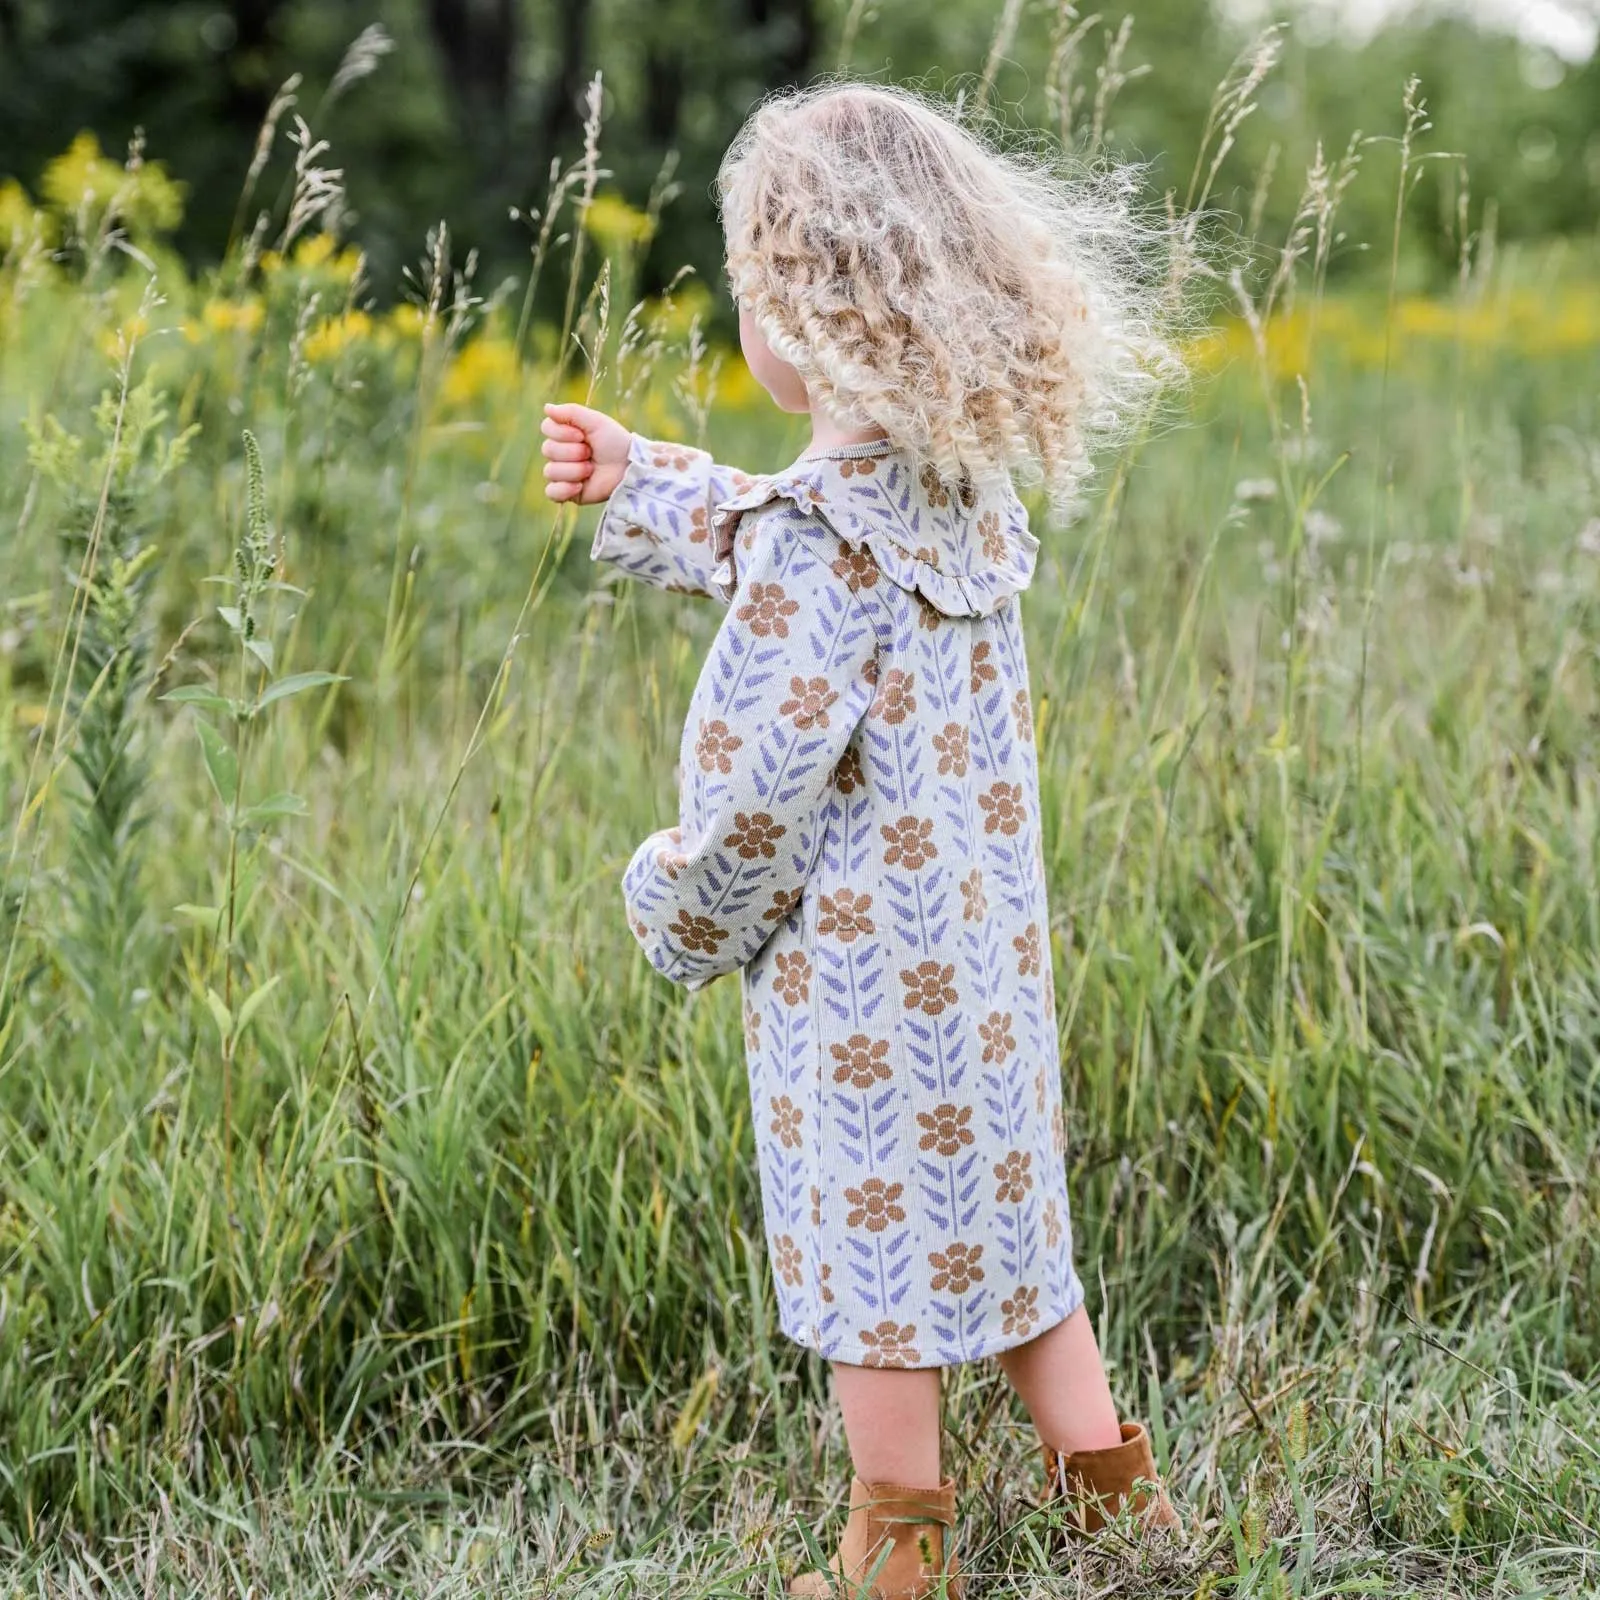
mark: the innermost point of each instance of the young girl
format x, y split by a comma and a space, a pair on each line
859, 811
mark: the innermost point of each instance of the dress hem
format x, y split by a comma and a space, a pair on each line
860, 1355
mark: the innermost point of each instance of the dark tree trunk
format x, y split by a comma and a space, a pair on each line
791, 25
477, 42
246, 95
563, 113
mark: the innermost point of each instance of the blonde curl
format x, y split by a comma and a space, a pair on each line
990, 310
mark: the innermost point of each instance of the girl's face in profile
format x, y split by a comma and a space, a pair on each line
777, 377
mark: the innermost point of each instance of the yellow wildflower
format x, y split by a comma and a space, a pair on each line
115, 342
231, 316
318, 252
313, 251
672, 317
334, 335
405, 321
737, 388
482, 368
20, 219
615, 225
143, 197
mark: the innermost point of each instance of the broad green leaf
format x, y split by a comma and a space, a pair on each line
195, 694
295, 683
262, 650
254, 1002
220, 1013
222, 764
274, 806
230, 615
198, 913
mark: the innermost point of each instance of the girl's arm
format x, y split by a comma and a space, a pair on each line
657, 522
790, 675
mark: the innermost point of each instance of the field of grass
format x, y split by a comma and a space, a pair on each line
372, 1220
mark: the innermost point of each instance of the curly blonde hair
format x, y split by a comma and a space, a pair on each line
993, 313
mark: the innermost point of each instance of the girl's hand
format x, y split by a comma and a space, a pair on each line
585, 453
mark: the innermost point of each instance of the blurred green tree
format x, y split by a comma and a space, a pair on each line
475, 98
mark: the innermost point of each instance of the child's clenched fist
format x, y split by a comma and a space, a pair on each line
585, 452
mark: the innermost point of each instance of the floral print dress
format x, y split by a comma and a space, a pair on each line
859, 836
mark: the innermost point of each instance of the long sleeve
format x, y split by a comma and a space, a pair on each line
657, 524
789, 676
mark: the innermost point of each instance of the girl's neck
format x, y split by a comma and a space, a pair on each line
826, 434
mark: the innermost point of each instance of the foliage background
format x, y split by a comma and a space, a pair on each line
479, 96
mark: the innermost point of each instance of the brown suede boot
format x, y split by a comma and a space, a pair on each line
1093, 1485
914, 1524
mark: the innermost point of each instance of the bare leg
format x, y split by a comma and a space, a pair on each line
1063, 1384
891, 1418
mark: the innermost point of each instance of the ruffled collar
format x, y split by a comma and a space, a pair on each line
965, 550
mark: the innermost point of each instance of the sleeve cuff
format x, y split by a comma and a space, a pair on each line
617, 531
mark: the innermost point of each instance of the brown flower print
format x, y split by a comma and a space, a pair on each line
966, 492
741, 480
1021, 1312
990, 538
1001, 804
752, 1030
1038, 1091
974, 903
844, 915
755, 834
857, 569
816, 1213
876, 1205
1058, 1131
908, 842
1022, 716
848, 776
933, 486
669, 456
953, 747
768, 610
809, 701
983, 669
1026, 944
929, 616
783, 902
869, 670
699, 532
695, 932
794, 977
786, 1120
786, 1260
955, 1268
946, 1129
998, 1042
929, 986
715, 746
1015, 1178
858, 466
890, 1344
826, 1288
671, 862
861, 1061
634, 531
894, 700
927, 554
1052, 1224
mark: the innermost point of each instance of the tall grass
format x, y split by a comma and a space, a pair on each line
356, 1178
